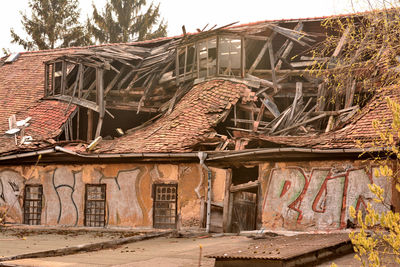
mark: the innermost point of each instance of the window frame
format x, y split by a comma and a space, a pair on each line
88, 222
37, 208
160, 225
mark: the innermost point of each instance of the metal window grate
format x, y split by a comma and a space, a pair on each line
165, 206
95, 205
33, 204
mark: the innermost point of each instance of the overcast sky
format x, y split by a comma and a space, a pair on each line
196, 14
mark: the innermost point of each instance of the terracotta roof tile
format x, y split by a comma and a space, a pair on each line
22, 83
48, 116
21, 88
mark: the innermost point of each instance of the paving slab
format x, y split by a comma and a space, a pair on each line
163, 251
11, 244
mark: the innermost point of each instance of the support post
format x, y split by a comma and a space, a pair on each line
46, 80
208, 201
78, 118
63, 77
100, 99
243, 60
90, 125
177, 66
217, 58
53, 78
225, 216
81, 74
202, 156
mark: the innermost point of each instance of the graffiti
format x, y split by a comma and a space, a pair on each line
69, 189
126, 203
103, 177
64, 183
320, 198
10, 184
128, 191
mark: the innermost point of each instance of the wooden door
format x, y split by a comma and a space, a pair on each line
244, 211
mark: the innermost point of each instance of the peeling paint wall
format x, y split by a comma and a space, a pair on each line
317, 195
129, 199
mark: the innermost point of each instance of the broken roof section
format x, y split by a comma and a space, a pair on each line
230, 88
190, 124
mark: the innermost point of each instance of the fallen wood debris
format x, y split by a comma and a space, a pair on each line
147, 80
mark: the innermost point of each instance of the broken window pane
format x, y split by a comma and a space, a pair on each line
207, 57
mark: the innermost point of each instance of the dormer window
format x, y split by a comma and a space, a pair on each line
214, 56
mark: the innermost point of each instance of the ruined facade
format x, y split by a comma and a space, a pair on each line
110, 135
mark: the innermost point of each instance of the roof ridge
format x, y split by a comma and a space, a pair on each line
193, 33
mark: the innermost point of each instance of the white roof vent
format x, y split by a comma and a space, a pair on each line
13, 131
12, 57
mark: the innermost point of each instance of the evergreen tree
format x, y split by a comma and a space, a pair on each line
123, 21
52, 24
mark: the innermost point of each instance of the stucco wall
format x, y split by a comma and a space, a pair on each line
129, 191
316, 194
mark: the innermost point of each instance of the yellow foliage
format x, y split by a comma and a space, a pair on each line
370, 58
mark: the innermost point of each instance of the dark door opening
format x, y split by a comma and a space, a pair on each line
244, 194
165, 206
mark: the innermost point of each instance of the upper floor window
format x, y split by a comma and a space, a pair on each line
214, 56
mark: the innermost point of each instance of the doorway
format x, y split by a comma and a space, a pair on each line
244, 199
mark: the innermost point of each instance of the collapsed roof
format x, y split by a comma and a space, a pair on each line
229, 88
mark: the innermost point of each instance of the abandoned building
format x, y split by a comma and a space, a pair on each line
225, 129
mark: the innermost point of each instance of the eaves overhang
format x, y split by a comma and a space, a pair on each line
59, 154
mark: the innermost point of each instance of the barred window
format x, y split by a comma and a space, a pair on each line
95, 205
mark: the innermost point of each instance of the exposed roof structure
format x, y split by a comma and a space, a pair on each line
189, 124
229, 88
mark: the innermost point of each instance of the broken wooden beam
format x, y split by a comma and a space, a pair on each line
285, 50
291, 34
272, 63
297, 100
263, 82
350, 90
259, 57
244, 187
300, 124
114, 80
341, 43
81, 102
271, 106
